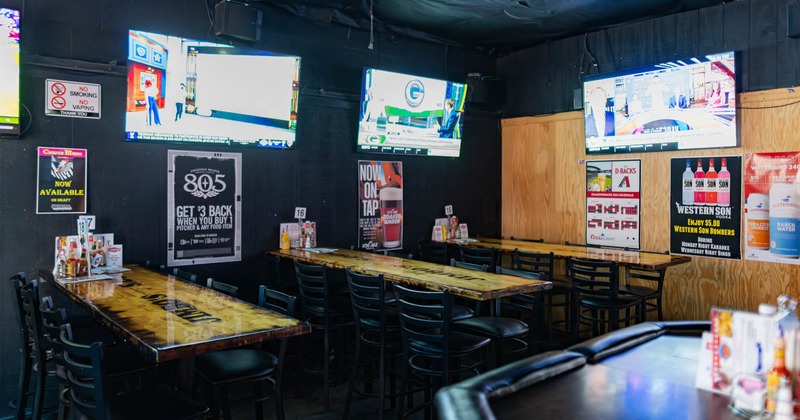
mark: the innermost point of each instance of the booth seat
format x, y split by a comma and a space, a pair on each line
472, 399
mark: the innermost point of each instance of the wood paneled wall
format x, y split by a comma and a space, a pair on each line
543, 196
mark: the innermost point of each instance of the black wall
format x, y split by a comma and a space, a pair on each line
76, 40
542, 79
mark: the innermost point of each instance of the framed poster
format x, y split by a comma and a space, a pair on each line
772, 207
705, 206
61, 181
613, 203
380, 205
204, 207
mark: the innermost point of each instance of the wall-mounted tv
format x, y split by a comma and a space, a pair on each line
9, 72
186, 91
678, 105
410, 115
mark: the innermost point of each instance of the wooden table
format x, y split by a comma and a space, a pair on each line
167, 318
459, 281
633, 259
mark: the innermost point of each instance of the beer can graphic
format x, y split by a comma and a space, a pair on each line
757, 220
784, 221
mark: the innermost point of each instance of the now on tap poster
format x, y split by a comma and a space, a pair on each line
380, 205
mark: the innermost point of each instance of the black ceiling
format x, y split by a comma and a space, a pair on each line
502, 25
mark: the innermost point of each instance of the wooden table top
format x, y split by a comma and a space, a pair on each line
459, 281
168, 318
635, 259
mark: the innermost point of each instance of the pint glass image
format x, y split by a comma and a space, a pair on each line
391, 216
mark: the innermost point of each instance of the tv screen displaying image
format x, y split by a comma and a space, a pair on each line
410, 115
9, 71
679, 105
186, 91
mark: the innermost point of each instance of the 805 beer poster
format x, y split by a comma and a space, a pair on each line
204, 207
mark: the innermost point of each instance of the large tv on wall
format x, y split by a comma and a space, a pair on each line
678, 105
187, 91
410, 115
9, 72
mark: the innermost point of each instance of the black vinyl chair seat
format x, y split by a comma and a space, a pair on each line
462, 312
236, 365
499, 327
460, 342
602, 302
639, 291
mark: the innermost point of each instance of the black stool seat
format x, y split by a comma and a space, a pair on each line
158, 403
602, 302
459, 343
235, 365
640, 291
461, 312
494, 327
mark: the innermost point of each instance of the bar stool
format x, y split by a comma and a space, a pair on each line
329, 314
18, 282
222, 370
547, 302
433, 252
431, 349
89, 394
377, 327
595, 286
644, 293
503, 331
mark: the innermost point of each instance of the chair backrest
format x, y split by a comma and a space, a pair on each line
312, 280
656, 276
155, 266
398, 254
17, 283
85, 376
534, 261
592, 279
434, 252
32, 317
541, 240
225, 288
185, 275
276, 301
469, 266
478, 255
52, 320
535, 275
368, 296
425, 318
274, 277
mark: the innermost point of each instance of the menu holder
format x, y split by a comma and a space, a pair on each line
742, 343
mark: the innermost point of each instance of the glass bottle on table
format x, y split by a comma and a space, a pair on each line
777, 373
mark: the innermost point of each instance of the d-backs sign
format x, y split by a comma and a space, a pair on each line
204, 208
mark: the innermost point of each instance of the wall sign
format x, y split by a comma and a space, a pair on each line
772, 207
61, 180
72, 99
705, 206
204, 207
380, 205
612, 203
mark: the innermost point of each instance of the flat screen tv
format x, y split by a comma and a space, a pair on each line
679, 105
9, 72
410, 115
186, 91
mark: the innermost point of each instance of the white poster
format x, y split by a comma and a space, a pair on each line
613, 203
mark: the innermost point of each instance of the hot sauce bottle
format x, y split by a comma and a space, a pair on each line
777, 373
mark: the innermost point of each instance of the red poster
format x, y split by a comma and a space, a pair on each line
380, 205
